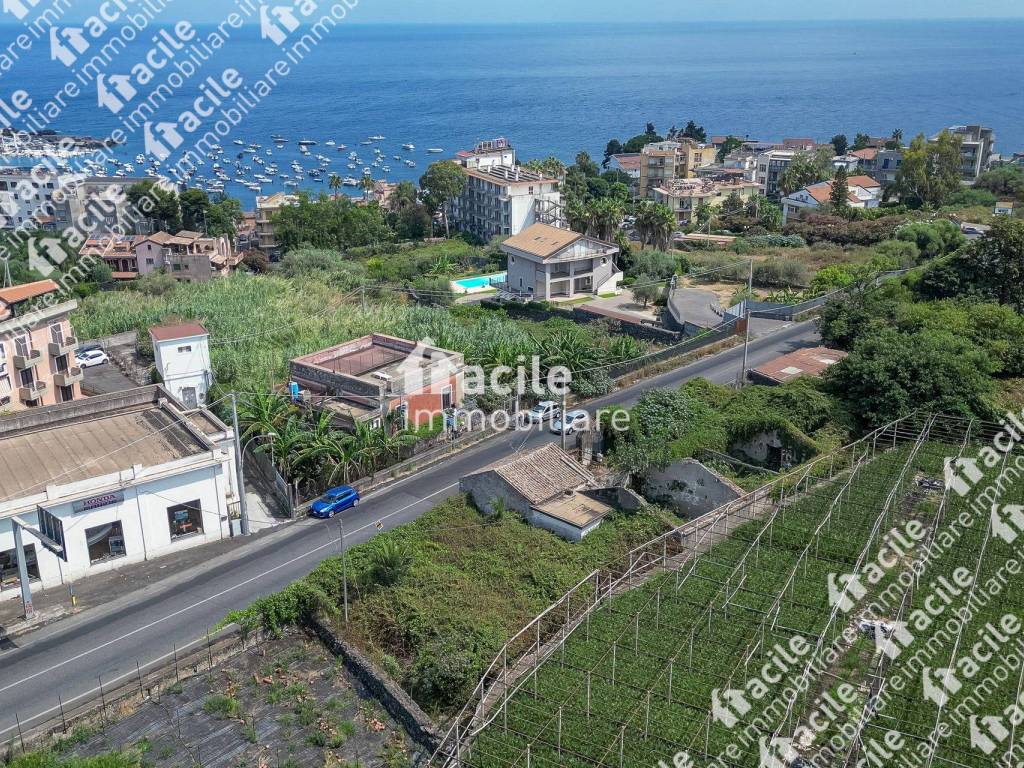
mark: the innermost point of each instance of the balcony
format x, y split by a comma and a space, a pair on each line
65, 347
68, 378
29, 360
31, 392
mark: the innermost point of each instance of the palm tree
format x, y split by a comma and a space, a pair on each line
605, 217
390, 562
335, 183
327, 452
655, 224
263, 414
577, 215
367, 183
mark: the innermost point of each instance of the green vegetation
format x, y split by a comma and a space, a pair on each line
667, 425
222, 707
49, 759
940, 340
441, 595
637, 679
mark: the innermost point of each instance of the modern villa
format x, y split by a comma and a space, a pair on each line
546, 262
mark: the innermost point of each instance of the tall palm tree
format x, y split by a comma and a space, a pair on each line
605, 217
335, 183
367, 183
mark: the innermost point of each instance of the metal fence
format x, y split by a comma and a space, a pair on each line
114, 698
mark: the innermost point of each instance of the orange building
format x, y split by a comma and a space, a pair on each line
37, 348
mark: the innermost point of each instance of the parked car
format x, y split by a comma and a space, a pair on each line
91, 357
334, 501
542, 411
573, 421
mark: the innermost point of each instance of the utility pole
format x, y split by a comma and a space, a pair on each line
564, 435
26, 588
746, 348
344, 565
239, 468
362, 294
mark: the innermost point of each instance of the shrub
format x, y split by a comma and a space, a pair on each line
222, 707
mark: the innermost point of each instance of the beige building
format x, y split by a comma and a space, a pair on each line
266, 207
665, 161
37, 348
685, 196
189, 256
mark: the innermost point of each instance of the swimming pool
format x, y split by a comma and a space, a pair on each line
480, 282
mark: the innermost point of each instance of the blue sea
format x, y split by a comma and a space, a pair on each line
557, 89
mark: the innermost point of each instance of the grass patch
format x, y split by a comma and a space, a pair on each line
222, 707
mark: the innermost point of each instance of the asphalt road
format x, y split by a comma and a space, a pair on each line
71, 656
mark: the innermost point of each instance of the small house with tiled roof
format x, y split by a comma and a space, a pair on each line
862, 192
549, 489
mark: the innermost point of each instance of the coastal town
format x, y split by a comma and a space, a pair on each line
644, 458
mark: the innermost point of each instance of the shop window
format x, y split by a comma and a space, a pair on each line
185, 519
105, 542
9, 566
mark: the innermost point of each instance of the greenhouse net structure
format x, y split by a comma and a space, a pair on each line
863, 610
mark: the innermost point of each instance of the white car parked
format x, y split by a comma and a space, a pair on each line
573, 421
542, 411
91, 357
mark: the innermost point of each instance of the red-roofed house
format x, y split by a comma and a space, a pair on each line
863, 192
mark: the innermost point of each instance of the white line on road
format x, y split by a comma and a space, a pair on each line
101, 646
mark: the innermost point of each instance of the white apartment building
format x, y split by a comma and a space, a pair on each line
57, 201
110, 480
182, 355
977, 146
769, 168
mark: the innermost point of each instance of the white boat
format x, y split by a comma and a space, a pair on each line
435, 151
378, 138
307, 143
330, 142
409, 147
349, 181
239, 142
411, 163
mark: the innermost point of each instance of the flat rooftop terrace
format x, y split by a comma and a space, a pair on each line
69, 443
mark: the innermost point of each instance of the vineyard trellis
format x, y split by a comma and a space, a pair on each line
618, 671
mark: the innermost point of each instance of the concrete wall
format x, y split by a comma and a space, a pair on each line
559, 527
689, 487
768, 449
485, 487
391, 696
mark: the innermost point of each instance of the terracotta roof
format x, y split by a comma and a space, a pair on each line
863, 181
629, 162
803, 362
870, 153
124, 275
171, 332
27, 291
543, 240
543, 474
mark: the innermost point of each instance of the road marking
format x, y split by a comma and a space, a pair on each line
101, 646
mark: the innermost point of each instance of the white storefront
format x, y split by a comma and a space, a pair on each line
112, 518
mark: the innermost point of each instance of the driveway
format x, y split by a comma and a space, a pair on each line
693, 305
626, 304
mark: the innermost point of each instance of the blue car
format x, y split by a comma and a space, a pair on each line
334, 501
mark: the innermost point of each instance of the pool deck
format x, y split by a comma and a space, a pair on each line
464, 290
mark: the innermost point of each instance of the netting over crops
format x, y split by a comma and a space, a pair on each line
624, 669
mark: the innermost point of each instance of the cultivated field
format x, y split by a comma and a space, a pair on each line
750, 624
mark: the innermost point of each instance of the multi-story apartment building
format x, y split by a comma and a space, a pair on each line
266, 207
118, 251
977, 146
37, 348
769, 168
26, 195
501, 198
879, 163
685, 196
487, 153
665, 161
502, 201
34, 198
